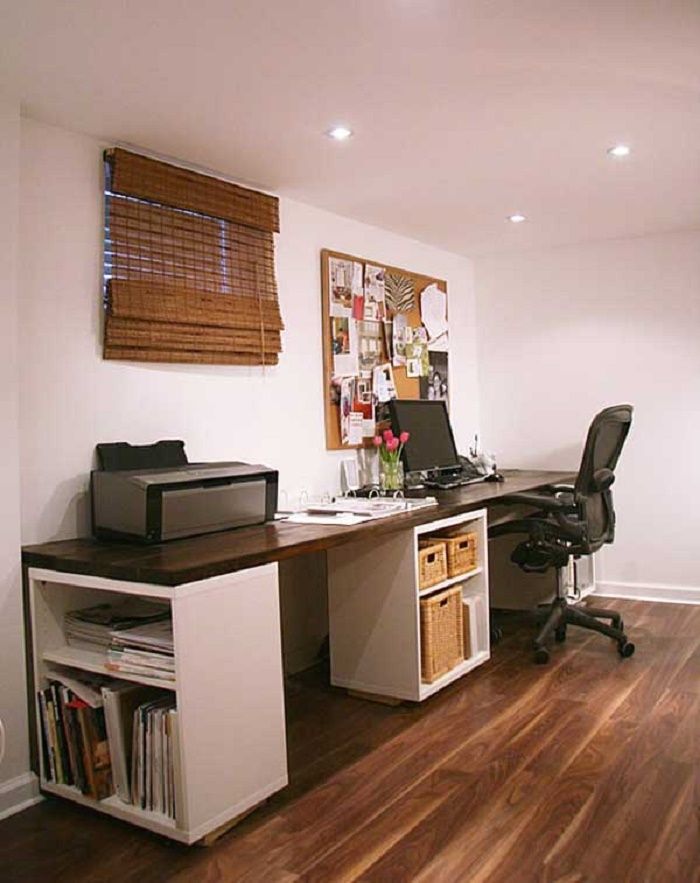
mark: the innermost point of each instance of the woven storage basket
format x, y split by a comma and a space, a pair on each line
442, 639
462, 550
432, 563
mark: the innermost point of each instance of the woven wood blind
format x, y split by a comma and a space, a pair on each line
189, 266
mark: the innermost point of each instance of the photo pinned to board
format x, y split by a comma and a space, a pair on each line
344, 345
435, 385
383, 383
400, 327
417, 363
345, 286
351, 421
364, 404
370, 346
375, 297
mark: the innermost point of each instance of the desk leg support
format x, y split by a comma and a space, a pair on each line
230, 697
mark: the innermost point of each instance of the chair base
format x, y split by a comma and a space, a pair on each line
563, 614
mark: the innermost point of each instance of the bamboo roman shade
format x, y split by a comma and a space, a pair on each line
189, 266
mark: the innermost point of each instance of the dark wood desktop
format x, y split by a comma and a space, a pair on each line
188, 560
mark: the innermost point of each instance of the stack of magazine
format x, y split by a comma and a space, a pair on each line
91, 628
154, 756
145, 650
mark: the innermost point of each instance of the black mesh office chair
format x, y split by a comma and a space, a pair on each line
574, 521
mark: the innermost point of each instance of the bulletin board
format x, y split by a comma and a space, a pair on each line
385, 335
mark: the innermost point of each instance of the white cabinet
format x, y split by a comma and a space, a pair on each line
228, 687
231, 751
374, 611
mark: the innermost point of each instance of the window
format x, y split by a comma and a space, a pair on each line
189, 266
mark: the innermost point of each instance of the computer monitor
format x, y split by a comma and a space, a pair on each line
431, 445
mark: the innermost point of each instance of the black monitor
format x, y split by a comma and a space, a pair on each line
431, 445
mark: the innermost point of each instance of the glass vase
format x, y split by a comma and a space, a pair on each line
390, 475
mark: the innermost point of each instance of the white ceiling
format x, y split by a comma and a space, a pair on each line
463, 112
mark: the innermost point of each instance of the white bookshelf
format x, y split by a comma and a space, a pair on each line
374, 612
228, 688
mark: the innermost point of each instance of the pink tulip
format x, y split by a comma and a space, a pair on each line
377, 440
388, 435
404, 437
392, 444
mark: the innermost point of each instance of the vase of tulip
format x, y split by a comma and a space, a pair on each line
389, 448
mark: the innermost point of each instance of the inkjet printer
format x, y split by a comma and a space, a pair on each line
151, 493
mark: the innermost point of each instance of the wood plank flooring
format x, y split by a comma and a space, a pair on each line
587, 769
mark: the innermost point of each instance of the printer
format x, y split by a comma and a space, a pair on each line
151, 493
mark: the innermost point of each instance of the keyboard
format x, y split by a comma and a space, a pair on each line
453, 482
468, 474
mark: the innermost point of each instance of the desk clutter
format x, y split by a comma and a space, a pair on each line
347, 511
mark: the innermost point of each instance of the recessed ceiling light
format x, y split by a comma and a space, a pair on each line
339, 133
516, 218
619, 150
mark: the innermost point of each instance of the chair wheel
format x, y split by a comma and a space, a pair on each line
496, 634
560, 634
625, 648
541, 656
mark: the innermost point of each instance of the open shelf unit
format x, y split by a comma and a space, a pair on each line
226, 633
374, 611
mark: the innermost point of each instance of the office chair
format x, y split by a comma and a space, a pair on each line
570, 521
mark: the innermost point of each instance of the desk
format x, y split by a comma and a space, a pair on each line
184, 561
224, 596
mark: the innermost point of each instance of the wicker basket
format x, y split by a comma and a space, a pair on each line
462, 551
442, 638
432, 563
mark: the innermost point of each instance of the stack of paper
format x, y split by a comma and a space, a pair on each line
91, 627
146, 650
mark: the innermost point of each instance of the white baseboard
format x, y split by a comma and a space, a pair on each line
649, 592
18, 794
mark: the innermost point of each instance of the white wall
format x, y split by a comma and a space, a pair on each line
14, 786
565, 332
72, 399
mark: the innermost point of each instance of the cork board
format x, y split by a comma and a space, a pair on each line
349, 328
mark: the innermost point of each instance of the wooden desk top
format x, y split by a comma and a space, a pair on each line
189, 560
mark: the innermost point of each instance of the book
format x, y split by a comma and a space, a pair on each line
96, 755
53, 738
120, 702
47, 744
65, 772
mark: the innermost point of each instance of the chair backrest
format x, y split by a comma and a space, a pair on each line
606, 436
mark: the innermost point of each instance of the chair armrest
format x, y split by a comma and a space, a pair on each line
545, 502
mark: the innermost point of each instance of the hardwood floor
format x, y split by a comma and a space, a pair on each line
585, 770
